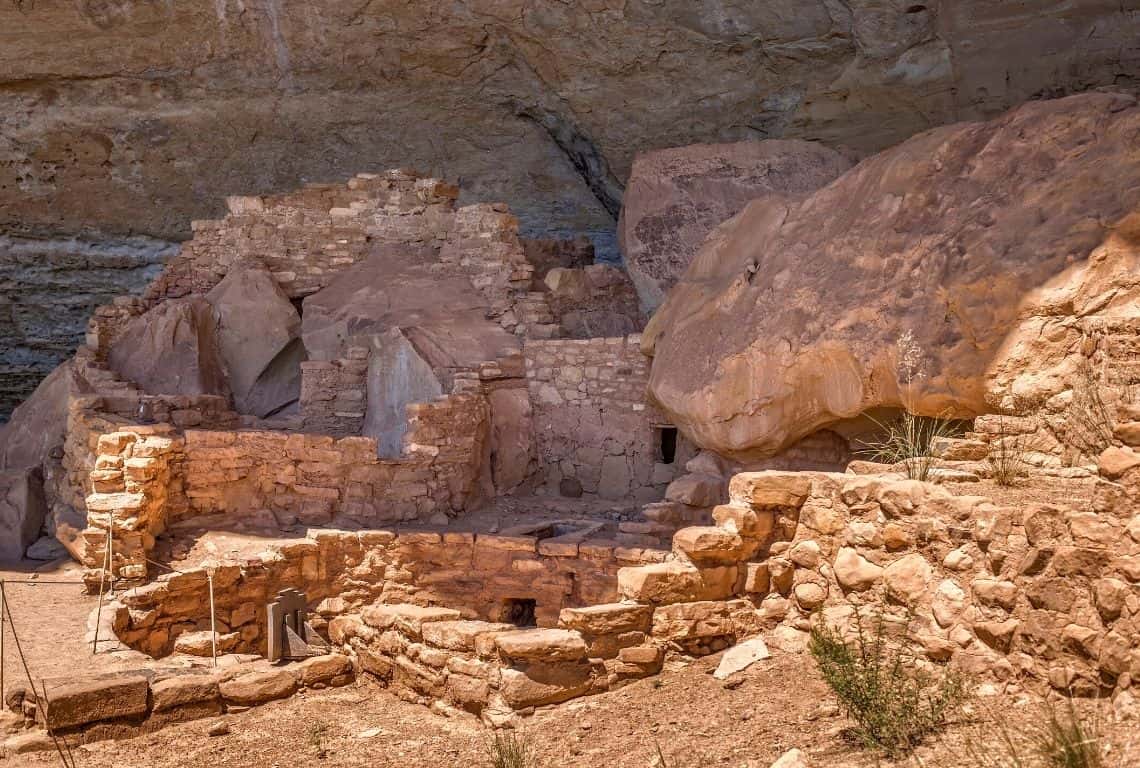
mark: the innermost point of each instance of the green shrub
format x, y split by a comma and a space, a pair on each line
881, 686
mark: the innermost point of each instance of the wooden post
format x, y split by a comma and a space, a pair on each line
213, 622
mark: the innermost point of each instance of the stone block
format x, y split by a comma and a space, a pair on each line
543, 645
607, 618
460, 635
770, 488
90, 701
323, 670
709, 545
542, 684
184, 690
254, 688
409, 619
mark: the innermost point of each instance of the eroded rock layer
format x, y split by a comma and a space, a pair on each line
957, 273
140, 116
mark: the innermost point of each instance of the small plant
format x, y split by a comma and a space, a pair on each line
317, 733
882, 687
1067, 739
908, 440
1089, 421
1007, 460
511, 750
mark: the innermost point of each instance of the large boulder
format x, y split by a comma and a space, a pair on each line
675, 197
945, 275
22, 511
172, 350
256, 322
38, 424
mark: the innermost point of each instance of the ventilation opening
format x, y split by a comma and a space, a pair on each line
519, 611
666, 444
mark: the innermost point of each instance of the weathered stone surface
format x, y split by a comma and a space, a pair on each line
258, 687
992, 326
542, 645
183, 690
460, 635
255, 323
770, 488
697, 490
38, 424
90, 701
908, 578
607, 618
709, 545
324, 670
675, 197
662, 583
409, 619
855, 572
528, 105
22, 511
542, 684
740, 657
204, 643
172, 350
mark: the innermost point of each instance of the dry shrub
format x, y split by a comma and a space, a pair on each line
1008, 461
507, 749
1088, 421
1066, 738
893, 698
908, 440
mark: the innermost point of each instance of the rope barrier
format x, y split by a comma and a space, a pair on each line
24, 662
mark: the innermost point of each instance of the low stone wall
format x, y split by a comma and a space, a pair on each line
341, 571
592, 426
119, 705
1036, 594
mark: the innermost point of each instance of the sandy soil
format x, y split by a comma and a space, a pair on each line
697, 721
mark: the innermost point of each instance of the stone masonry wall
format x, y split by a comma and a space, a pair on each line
334, 394
341, 571
592, 425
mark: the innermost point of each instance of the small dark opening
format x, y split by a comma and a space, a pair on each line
916, 9
666, 444
519, 611
298, 303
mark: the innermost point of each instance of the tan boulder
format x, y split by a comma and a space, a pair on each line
22, 511
675, 197
709, 545
1115, 461
204, 643
673, 582
329, 669
259, 687
172, 350
908, 578
697, 490
889, 288
541, 684
854, 572
255, 323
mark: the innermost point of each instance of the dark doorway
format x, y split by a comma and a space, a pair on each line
666, 444
519, 611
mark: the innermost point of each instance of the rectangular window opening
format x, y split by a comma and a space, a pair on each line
666, 444
519, 611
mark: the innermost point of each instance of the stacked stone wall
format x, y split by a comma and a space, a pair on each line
334, 394
341, 571
592, 424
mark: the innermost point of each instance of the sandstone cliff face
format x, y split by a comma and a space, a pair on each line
958, 272
130, 116
675, 197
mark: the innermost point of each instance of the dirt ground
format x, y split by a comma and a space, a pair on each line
697, 721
